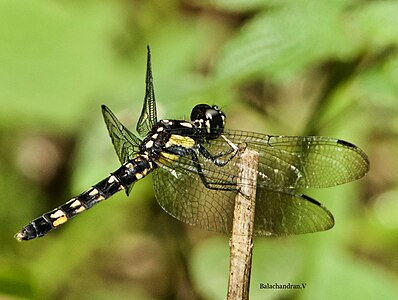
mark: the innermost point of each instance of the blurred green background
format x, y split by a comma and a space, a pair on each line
278, 67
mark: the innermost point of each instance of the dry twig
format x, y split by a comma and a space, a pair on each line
241, 242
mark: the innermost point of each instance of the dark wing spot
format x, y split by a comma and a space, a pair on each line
345, 143
311, 200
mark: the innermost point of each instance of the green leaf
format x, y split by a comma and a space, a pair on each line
53, 58
376, 24
235, 5
274, 261
335, 269
284, 41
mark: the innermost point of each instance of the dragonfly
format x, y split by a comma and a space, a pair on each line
195, 166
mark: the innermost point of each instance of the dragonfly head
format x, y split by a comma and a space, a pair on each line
209, 118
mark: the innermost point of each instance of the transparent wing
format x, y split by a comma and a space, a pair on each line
126, 144
184, 196
148, 115
280, 213
291, 162
287, 163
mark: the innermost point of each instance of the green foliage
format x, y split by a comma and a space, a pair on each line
51, 55
278, 67
285, 40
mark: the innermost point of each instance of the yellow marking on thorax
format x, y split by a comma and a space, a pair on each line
165, 158
149, 144
179, 140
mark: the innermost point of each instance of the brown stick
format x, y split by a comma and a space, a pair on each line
241, 242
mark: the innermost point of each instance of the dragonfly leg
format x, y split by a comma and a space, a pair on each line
214, 185
229, 155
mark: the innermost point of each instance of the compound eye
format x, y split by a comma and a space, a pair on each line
199, 112
210, 118
215, 117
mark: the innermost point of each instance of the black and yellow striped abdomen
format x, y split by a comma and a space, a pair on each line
122, 178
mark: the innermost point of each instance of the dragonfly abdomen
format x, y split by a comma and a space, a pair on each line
122, 178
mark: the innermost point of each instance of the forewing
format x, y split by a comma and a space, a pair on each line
148, 115
291, 162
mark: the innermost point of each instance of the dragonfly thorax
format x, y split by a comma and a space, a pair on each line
210, 118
